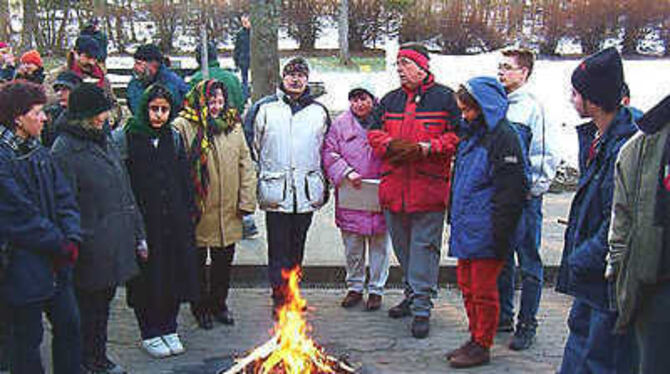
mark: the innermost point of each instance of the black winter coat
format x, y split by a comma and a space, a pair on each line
159, 176
111, 223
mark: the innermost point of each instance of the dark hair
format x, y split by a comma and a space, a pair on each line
464, 97
216, 85
18, 98
159, 91
524, 57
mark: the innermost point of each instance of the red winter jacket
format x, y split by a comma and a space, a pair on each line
428, 114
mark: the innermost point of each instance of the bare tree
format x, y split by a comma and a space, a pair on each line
264, 47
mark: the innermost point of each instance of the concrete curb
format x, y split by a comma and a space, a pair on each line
333, 276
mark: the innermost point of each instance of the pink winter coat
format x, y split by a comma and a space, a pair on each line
346, 147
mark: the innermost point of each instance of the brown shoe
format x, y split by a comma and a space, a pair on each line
351, 299
374, 302
475, 356
459, 350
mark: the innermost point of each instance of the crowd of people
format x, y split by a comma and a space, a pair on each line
158, 201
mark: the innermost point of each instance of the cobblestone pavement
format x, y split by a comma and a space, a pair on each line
380, 344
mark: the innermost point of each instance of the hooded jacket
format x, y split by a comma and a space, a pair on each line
582, 269
489, 184
427, 114
346, 149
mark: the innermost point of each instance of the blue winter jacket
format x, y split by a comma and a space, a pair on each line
178, 88
489, 183
585, 245
38, 213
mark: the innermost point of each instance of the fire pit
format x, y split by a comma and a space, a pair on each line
290, 350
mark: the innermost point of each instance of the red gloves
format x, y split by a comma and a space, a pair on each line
69, 252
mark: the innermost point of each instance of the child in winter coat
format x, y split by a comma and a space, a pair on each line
348, 158
488, 189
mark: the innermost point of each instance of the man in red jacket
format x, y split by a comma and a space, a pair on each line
415, 139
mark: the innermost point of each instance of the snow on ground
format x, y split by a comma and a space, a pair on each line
649, 82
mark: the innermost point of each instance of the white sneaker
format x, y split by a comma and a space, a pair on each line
174, 344
156, 348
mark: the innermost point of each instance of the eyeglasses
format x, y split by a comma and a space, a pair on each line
508, 67
159, 108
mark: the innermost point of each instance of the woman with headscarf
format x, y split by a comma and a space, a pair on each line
225, 190
159, 175
113, 231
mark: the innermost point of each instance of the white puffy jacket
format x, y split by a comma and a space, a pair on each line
287, 144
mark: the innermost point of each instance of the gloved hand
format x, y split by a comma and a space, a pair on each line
142, 250
69, 252
401, 150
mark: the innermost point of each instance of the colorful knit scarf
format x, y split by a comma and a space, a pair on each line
197, 112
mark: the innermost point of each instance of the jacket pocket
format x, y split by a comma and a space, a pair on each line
271, 188
315, 187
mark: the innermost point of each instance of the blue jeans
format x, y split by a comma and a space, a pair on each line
652, 330
27, 330
527, 248
592, 347
417, 242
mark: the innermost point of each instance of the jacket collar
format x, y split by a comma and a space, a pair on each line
656, 118
427, 83
19, 145
622, 126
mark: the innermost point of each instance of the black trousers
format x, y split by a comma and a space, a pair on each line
287, 233
94, 311
155, 321
214, 280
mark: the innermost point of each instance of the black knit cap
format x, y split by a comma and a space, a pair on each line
67, 79
87, 44
148, 53
86, 101
599, 78
296, 65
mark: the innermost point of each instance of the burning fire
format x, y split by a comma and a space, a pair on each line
296, 352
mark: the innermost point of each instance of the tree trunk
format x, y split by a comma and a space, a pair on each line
343, 32
29, 24
264, 49
4, 20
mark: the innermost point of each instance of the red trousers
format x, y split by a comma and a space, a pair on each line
478, 281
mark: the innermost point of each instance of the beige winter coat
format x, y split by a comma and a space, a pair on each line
232, 185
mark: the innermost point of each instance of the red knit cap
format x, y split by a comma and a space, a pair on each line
416, 53
3, 45
32, 57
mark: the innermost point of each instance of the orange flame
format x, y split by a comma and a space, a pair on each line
296, 353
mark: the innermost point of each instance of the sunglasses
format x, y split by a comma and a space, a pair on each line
159, 108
